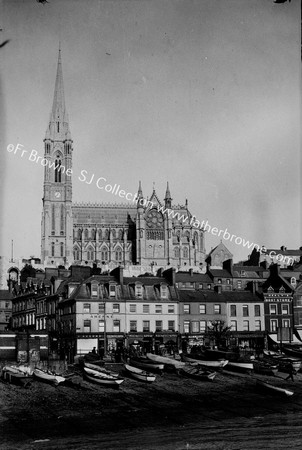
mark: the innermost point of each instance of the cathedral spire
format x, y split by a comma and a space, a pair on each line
58, 123
168, 199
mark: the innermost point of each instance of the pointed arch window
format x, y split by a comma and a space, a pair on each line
86, 234
53, 219
120, 234
58, 173
52, 249
113, 233
100, 234
185, 252
61, 249
79, 234
76, 254
62, 219
176, 252
118, 255
58, 127
104, 254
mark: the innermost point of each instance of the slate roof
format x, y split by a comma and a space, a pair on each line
212, 296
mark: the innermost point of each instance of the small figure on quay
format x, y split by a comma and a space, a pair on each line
94, 351
291, 373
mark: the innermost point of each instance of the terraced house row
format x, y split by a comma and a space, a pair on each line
81, 308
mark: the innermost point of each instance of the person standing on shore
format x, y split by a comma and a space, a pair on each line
291, 373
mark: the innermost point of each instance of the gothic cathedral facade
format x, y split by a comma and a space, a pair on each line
108, 235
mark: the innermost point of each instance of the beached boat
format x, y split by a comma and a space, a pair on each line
285, 364
217, 364
274, 388
47, 377
165, 360
265, 368
197, 372
139, 374
293, 350
15, 376
240, 365
99, 369
102, 378
146, 364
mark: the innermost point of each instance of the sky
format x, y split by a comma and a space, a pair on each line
204, 94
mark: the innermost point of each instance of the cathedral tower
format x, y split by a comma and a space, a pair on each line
56, 235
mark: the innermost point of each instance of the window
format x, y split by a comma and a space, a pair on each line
233, 311
61, 249
164, 291
176, 252
274, 325
185, 252
233, 324
200, 285
146, 325
133, 326
202, 326
239, 284
202, 309
158, 309
245, 310
299, 300
285, 323
171, 325
104, 255
273, 310
257, 310
285, 309
133, 308
195, 326
186, 309
186, 326
118, 255
94, 290
228, 281
146, 309
257, 325
101, 308
243, 274
217, 309
116, 326
86, 308
171, 309
246, 325
112, 290
58, 169
52, 249
87, 326
101, 326
158, 325
139, 290
115, 308
219, 281
209, 286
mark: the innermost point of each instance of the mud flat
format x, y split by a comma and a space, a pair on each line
172, 413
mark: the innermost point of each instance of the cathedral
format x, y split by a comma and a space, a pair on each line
109, 235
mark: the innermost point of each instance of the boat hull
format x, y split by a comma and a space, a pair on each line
100, 370
47, 377
197, 374
166, 361
145, 365
103, 381
240, 365
139, 374
274, 389
13, 377
217, 364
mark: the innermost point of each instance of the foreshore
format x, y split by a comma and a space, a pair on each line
174, 412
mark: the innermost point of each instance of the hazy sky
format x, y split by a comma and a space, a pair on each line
204, 94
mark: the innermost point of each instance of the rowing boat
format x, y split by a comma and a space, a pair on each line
165, 360
217, 364
42, 375
15, 376
274, 388
102, 378
265, 368
139, 374
99, 369
198, 373
146, 364
240, 365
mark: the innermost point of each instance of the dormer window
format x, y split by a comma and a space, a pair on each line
139, 291
94, 290
112, 290
293, 281
242, 273
164, 291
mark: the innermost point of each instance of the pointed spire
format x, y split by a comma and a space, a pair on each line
58, 124
139, 195
168, 198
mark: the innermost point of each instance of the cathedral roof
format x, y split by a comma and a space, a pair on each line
106, 213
